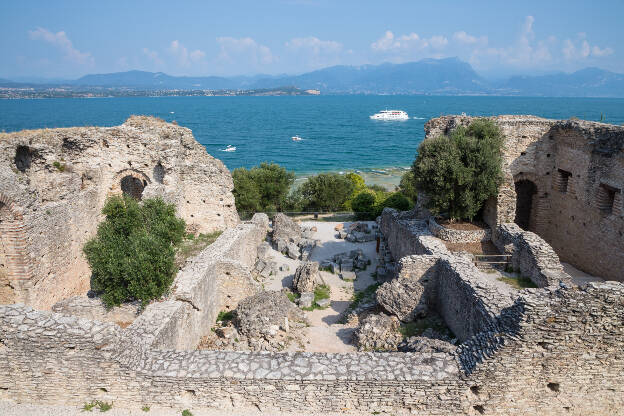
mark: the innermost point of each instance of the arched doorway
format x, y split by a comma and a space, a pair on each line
525, 190
132, 186
7, 291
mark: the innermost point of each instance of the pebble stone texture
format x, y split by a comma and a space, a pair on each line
576, 169
54, 182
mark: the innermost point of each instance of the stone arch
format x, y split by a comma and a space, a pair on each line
131, 182
15, 267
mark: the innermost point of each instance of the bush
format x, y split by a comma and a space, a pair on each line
363, 205
407, 186
132, 255
358, 186
261, 188
459, 172
396, 200
326, 191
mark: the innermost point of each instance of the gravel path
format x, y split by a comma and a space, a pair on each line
325, 333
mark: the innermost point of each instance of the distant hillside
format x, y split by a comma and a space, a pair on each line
448, 76
429, 76
588, 82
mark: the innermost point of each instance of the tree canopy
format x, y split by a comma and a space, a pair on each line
132, 254
326, 191
262, 188
461, 171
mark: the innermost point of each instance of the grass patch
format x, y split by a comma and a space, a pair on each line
320, 292
102, 406
59, 166
326, 269
193, 245
416, 328
145, 408
518, 282
292, 296
362, 295
225, 316
186, 412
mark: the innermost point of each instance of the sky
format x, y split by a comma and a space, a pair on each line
68, 39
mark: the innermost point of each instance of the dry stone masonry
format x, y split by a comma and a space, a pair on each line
53, 184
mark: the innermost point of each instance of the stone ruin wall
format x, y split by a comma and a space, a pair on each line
577, 168
548, 352
53, 184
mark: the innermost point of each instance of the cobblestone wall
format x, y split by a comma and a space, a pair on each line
406, 236
53, 184
458, 236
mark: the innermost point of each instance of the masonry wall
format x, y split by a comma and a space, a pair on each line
54, 182
573, 219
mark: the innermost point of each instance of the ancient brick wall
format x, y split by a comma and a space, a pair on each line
54, 182
576, 171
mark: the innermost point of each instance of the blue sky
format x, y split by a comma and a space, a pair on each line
67, 39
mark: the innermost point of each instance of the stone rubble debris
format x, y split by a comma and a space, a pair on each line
307, 277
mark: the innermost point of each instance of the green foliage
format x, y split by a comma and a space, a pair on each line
292, 296
459, 172
262, 188
358, 186
145, 408
132, 255
416, 328
225, 316
395, 200
320, 292
102, 406
326, 191
186, 412
364, 204
406, 186
60, 166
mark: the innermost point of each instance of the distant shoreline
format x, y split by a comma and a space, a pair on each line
388, 177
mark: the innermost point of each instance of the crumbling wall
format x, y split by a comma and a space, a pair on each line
54, 183
577, 169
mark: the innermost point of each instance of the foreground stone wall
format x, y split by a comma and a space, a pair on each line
573, 171
53, 184
535, 359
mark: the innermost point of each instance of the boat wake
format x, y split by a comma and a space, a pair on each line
418, 118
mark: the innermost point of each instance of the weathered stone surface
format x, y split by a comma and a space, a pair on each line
426, 344
306, 300
262, 314
307, 277
284, 228
323, 303
403, 298
55, 196
94, 309
378, 332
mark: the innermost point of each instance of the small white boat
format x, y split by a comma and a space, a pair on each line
296, 139
229, 148
390, 115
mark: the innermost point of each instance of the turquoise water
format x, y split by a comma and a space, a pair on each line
338, 135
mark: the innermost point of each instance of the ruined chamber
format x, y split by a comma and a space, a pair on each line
54, 182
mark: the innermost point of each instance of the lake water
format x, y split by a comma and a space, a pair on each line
338, 134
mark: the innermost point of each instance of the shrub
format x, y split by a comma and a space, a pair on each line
326, 191
459, 172
262, 188
407, 186
395, 200
132, 255
363, 204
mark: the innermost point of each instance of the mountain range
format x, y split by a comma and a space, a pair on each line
448, 76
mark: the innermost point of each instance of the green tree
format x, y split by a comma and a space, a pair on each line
132, 254
358, 186
364, 205
326, 191
459, 172
407, 186
395, 200
262, 188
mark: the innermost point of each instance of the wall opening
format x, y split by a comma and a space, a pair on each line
561, 183
525, 190
23, 158
132, 186
7, 291
159, 173
606, 198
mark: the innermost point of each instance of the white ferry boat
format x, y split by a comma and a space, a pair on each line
296, 138
390, 115
229, 148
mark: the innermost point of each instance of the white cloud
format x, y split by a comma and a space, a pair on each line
152, 56
314, 45
583, 50
464, 38
596, 51
63, 43
183, 57
314, 52
243, 51
409, 46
